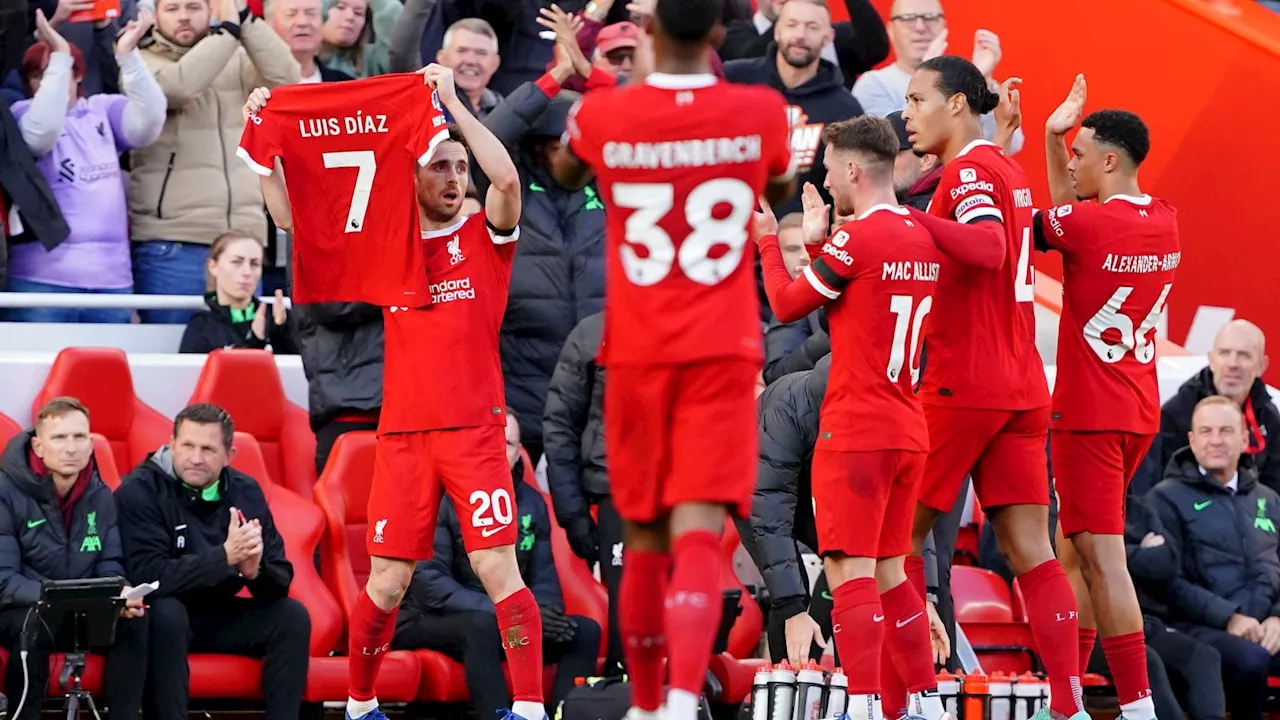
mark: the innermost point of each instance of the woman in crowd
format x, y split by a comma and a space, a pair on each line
77, 141
232, 319
347, 25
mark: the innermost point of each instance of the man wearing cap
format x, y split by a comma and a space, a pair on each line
915, 177
616, 48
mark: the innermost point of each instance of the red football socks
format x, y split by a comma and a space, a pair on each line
1089, 636
893, 691
368, 642
520, 625
914, 566
1127, 658
693, 608
641, 595
857, 621
908, 637
1051, 611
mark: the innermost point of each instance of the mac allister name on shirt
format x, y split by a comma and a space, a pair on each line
910, 270
358, 124
683, 153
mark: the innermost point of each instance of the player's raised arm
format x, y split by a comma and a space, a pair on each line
1057, 157
502, 203
979, 243
270, 177
819, 283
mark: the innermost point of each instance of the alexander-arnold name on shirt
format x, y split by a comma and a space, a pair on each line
1141, 264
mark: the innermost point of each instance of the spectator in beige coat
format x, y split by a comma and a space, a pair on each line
187, 187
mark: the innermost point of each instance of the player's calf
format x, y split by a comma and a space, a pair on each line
858, 626
519, 622
372, 623
907, 643
693, 604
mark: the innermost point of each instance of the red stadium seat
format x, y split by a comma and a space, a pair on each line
100, 378
735, 676
1019, 604
980, 596
8, 428
744, 638
106, 460
343, 496
246, 383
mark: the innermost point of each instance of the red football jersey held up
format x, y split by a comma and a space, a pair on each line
982, 348
350, 151
887, 268
1119, 259
442, 368
681, 160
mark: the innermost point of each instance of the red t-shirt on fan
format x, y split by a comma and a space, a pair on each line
982, 343
441, 367
349, 152
1119, 259
681, 160
887, 271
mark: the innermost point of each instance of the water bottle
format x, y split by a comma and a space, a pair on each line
760, 694
782, 692
1026, 696
837, 694
810, 687
977, 697
949, 691
1001, 696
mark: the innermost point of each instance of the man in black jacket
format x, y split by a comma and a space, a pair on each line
813, 87
1236, 364
915, 177
1221, 522
794, 346
557, 277
58, 522
446, 608
341, 349
204, 531
577, 471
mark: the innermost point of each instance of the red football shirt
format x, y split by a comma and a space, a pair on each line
982, 348
681, 160
441, 366
877, 276
344, 145
1118, 263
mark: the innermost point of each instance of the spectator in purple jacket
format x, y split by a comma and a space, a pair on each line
77, 142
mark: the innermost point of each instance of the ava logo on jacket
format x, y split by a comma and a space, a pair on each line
806, 138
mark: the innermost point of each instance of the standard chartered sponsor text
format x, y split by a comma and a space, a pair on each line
450, 290
683, 153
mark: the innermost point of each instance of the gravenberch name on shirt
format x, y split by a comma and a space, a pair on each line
1141, 263
358, 124
683, 153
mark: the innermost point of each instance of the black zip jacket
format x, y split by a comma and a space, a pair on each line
341, 346
1175, 423
795, 346
446, 584
35, 545
219, 327
573, 426
823, 99
173, 535
1228, 544
1154, 568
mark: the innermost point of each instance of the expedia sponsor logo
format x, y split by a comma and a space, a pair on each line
1053, 216
838, 253
450, 290
975, 186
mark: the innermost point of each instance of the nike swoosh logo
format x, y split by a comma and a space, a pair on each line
877, 618
36, 523
826, 595
904, 623
490, 532
1202, 505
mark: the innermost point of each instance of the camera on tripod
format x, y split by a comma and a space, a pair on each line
77, 615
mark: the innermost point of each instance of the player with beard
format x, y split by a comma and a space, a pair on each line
443, 423
985, 394
813, 87
1119, 250
680, 167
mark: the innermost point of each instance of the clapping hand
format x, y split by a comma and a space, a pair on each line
1069, 112
134, 32
766, 223
244, 542
569, 55
938, 47
986, 51
46, 34
817, 216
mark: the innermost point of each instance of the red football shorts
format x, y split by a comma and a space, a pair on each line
409, 471
680, 434
1002, 450
864, 502
1091, 471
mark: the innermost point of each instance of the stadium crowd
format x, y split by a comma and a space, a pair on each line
120, 176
